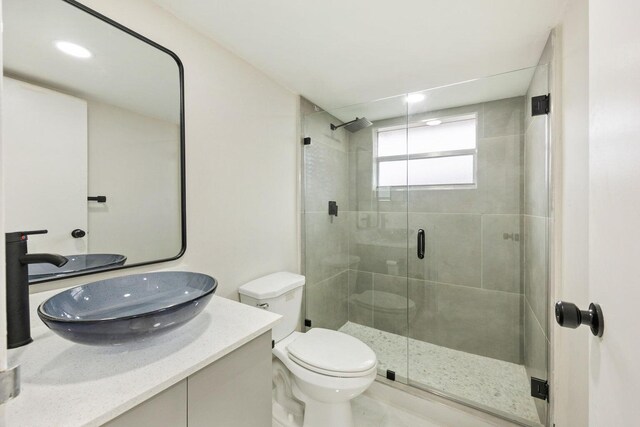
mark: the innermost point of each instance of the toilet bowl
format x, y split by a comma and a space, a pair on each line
326, 368
327, 390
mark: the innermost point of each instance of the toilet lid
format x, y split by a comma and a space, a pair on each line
332, 353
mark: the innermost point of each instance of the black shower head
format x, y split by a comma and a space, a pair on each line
354, 125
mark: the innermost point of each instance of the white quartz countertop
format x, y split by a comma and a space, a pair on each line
67, 384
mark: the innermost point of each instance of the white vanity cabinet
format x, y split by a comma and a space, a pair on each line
218, 365
167, 408
234, 391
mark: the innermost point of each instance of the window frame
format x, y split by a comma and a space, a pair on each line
439, 154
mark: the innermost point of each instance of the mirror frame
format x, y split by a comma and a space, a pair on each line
183, 187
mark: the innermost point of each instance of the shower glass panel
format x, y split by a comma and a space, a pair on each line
468, 164
471, 337
356, 261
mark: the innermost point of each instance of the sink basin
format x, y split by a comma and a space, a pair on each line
130, 308
76, 264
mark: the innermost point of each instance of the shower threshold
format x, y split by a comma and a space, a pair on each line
482, 381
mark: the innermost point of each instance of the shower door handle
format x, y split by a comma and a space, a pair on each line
421, 244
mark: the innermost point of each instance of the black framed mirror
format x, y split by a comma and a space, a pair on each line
94, 137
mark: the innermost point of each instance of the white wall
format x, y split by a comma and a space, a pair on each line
134, 161
3, 285
242, 150
570, 358
597, 379
614, 207
45, 149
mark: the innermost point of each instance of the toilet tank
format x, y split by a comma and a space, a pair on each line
279, 293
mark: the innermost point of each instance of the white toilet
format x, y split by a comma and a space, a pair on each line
326, 368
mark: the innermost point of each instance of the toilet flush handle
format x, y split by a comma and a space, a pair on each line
264, 305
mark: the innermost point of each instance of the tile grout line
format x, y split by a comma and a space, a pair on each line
329, 278
481, 251
349, 221
500, 136
536, 216
428, 213
373, 300
440, 283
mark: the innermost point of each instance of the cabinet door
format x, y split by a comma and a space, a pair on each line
235, 391
168, 408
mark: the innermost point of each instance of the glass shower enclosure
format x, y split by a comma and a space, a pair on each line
426, 236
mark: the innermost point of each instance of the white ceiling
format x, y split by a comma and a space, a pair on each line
337, 52
501, 86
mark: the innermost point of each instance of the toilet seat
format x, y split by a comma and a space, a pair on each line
332, 353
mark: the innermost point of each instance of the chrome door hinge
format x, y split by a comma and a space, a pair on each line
9, 384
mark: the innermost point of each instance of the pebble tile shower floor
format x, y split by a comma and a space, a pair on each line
495, 384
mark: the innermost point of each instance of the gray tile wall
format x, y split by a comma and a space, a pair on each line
467, 292
326, 242
473, 320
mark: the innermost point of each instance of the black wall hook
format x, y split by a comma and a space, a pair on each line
568, 315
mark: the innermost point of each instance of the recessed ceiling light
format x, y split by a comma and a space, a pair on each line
73, 49
415, 97
433, 122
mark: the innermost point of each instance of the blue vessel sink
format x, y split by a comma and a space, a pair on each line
129, 308
76, 264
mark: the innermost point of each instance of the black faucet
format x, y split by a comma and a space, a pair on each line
18, 320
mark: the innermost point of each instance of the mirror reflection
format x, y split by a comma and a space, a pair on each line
93, 137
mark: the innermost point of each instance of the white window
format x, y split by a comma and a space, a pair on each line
438, 152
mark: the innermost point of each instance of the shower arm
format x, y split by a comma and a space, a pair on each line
334, 127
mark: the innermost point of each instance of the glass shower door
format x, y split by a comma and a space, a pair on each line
355, 229
474, 159
425, 231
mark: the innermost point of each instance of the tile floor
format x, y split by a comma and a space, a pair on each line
493, 383
369, 412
